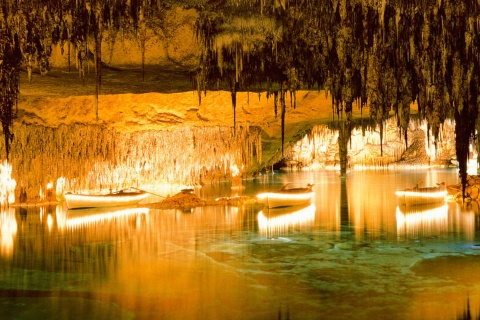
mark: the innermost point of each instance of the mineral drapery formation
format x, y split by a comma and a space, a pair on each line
92, 158
384, 54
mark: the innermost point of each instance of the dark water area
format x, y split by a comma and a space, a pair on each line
352, 254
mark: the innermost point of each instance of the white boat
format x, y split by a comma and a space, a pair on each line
288, 195
121, 198
422, 195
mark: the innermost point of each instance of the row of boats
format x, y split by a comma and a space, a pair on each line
294, 196
288, 195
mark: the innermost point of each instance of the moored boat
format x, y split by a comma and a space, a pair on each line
422, 195
288, 195
121, 198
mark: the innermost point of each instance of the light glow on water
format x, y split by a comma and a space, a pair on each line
83, 218
275, 222
7, 184
216, 263
8, 231
422, 220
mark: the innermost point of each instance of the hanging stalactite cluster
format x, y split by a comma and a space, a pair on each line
384, 54
30, 28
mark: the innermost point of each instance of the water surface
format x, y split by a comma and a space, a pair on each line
353, 253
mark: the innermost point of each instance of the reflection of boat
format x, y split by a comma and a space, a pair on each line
422, 195
288, 195
426, 219
276, 220
81, 217
121, 198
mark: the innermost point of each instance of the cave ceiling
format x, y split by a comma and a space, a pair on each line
384, 54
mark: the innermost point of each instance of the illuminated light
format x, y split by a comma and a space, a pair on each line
277, 199
61, 216
49, 222
41, 195
422, 220
59, 191
276, 221
235, 171
7, 184
8, 231
77, 201
410, 197
91, 217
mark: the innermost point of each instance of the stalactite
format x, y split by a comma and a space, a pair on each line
91, 158
282, 115
379, 52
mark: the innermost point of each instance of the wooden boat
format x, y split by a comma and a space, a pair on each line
288, 195
422, 195
121, 198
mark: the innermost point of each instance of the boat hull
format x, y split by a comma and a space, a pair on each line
413, 198
82, 201
285, 199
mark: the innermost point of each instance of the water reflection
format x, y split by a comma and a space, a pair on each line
8, 231
88, 217
279, 221
344, 214
350, 254
422, 220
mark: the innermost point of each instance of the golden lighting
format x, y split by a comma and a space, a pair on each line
277, 199
8, 231
59, 190
75, 201
88, 217
273, 222
422, 220
235, 171
7, 184
49, 222
411, 197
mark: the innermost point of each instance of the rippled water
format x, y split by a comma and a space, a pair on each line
351, 254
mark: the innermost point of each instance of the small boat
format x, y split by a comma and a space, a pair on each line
422, 195
120, 198
288, 195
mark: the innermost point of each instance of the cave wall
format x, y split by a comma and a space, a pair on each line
92, 158
319, 148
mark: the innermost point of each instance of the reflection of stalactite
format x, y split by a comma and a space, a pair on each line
464, 129
343, 137
283, 111
344, 216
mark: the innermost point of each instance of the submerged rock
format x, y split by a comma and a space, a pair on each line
187, 199
472, 189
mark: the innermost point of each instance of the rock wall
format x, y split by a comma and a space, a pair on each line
319, 148
94, 158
